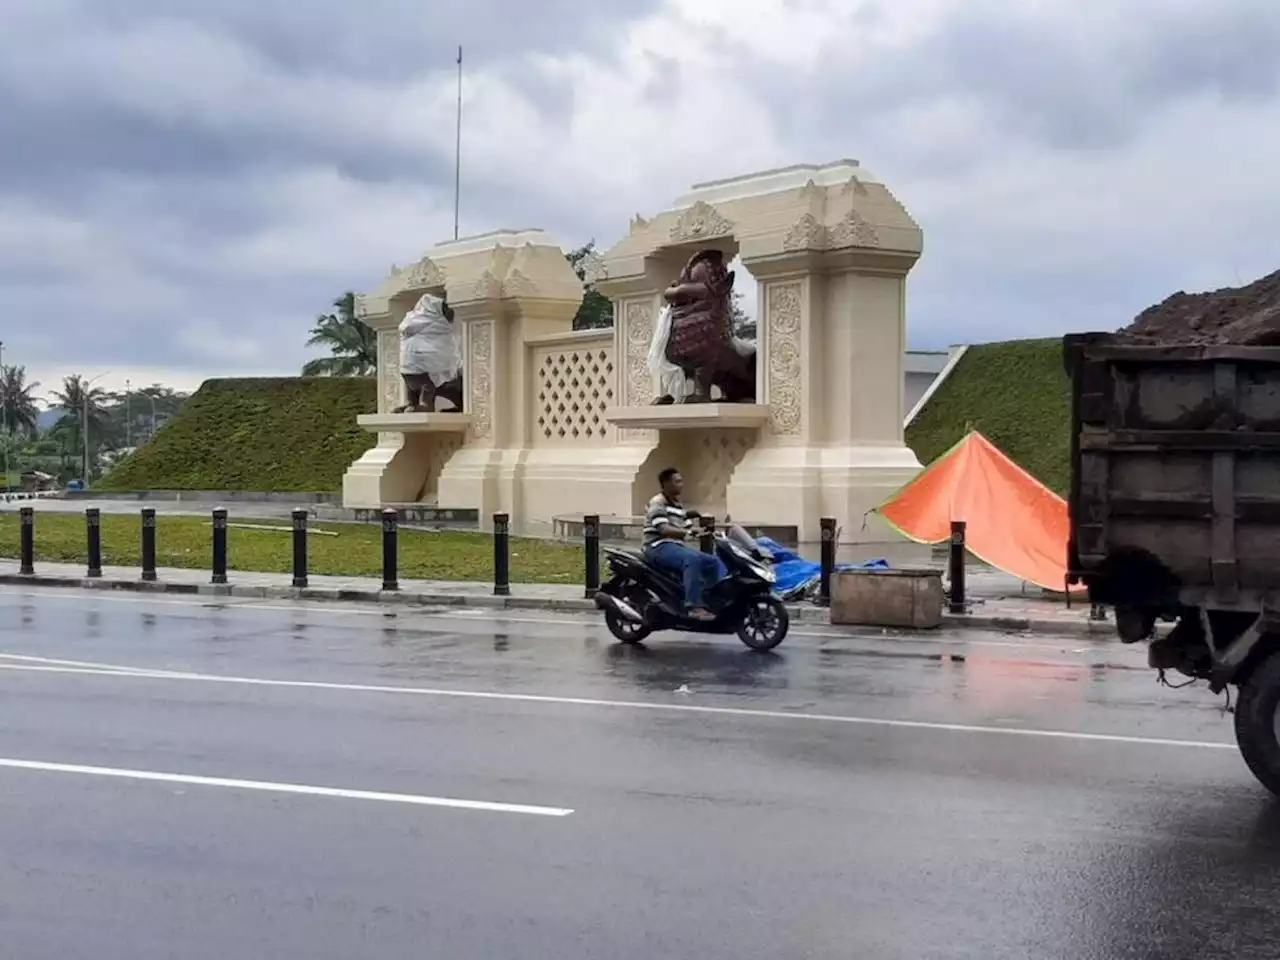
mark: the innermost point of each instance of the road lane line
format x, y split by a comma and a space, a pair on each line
124, 672
267, 786
499, 616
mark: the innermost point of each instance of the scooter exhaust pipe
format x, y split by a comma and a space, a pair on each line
623, 609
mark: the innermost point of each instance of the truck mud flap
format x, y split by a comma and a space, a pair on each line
1228, 661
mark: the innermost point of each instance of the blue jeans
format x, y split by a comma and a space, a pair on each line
699, 570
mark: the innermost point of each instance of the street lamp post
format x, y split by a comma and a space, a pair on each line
128, 414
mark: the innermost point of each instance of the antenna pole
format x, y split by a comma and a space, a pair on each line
457, 156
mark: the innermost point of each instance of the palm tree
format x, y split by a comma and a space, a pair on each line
77, 398
18, 412
352, 345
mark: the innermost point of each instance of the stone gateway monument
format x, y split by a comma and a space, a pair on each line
557, 423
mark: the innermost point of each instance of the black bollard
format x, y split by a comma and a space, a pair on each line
707, 541
955, 566
827, 556
300, 548
501, 555
93, 532
390, 549
591, 544
28, 521
220, 545
149, 544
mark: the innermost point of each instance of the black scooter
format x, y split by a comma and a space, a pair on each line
640, 598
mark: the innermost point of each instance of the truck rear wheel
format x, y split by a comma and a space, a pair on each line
1258, 722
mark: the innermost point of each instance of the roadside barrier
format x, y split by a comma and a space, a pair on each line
591, 547
220, 546
301, 533
93, 534
827, 560
300, 548
501, 555
955, 566
149, 544
390, 550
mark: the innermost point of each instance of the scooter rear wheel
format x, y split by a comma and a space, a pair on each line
765, 624
628, 631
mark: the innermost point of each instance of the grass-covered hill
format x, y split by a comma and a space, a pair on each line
1017, 394
286, 434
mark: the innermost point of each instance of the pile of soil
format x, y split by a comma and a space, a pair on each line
1234, 315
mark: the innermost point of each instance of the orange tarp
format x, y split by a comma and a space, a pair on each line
1012, 521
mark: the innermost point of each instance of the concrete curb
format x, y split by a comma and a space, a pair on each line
800, 613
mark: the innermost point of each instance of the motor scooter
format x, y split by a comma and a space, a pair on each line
640, 598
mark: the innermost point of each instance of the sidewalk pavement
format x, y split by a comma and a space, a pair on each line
997, 610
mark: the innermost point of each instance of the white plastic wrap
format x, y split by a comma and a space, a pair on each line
671, 379
429, 342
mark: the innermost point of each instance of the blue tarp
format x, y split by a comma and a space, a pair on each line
795, 573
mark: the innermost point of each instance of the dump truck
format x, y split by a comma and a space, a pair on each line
1175, 514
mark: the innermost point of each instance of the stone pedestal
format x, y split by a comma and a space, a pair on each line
831, 249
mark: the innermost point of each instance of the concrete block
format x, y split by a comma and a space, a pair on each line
887, 598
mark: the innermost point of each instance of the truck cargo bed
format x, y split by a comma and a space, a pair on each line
1175, 473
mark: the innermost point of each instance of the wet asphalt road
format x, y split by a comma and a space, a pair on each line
848, 797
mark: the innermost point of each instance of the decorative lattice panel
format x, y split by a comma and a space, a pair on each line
574, 388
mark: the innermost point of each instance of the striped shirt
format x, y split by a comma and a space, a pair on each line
661, 514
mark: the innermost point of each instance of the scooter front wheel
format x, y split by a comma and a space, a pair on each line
765, 623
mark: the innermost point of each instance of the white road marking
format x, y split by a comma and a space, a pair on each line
268, 786
37, 664
501, 616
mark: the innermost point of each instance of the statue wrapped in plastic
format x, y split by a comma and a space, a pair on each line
701, 340
430, 356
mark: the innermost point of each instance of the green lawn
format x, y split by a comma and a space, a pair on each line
355, 551
293, 433
1018, 395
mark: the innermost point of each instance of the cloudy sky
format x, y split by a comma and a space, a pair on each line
184, 185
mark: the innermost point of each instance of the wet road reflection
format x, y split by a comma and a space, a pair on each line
762, 826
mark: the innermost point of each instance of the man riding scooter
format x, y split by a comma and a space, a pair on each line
667, 529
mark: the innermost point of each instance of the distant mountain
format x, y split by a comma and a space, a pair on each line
49, 418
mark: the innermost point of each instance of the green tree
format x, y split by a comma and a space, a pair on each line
596, 310
742, 325
18, 412
352, 344
77, 399
132, 416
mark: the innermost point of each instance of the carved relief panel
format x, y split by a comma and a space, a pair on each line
785, 367
638, 332
480, 378
637, 382
390, 385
